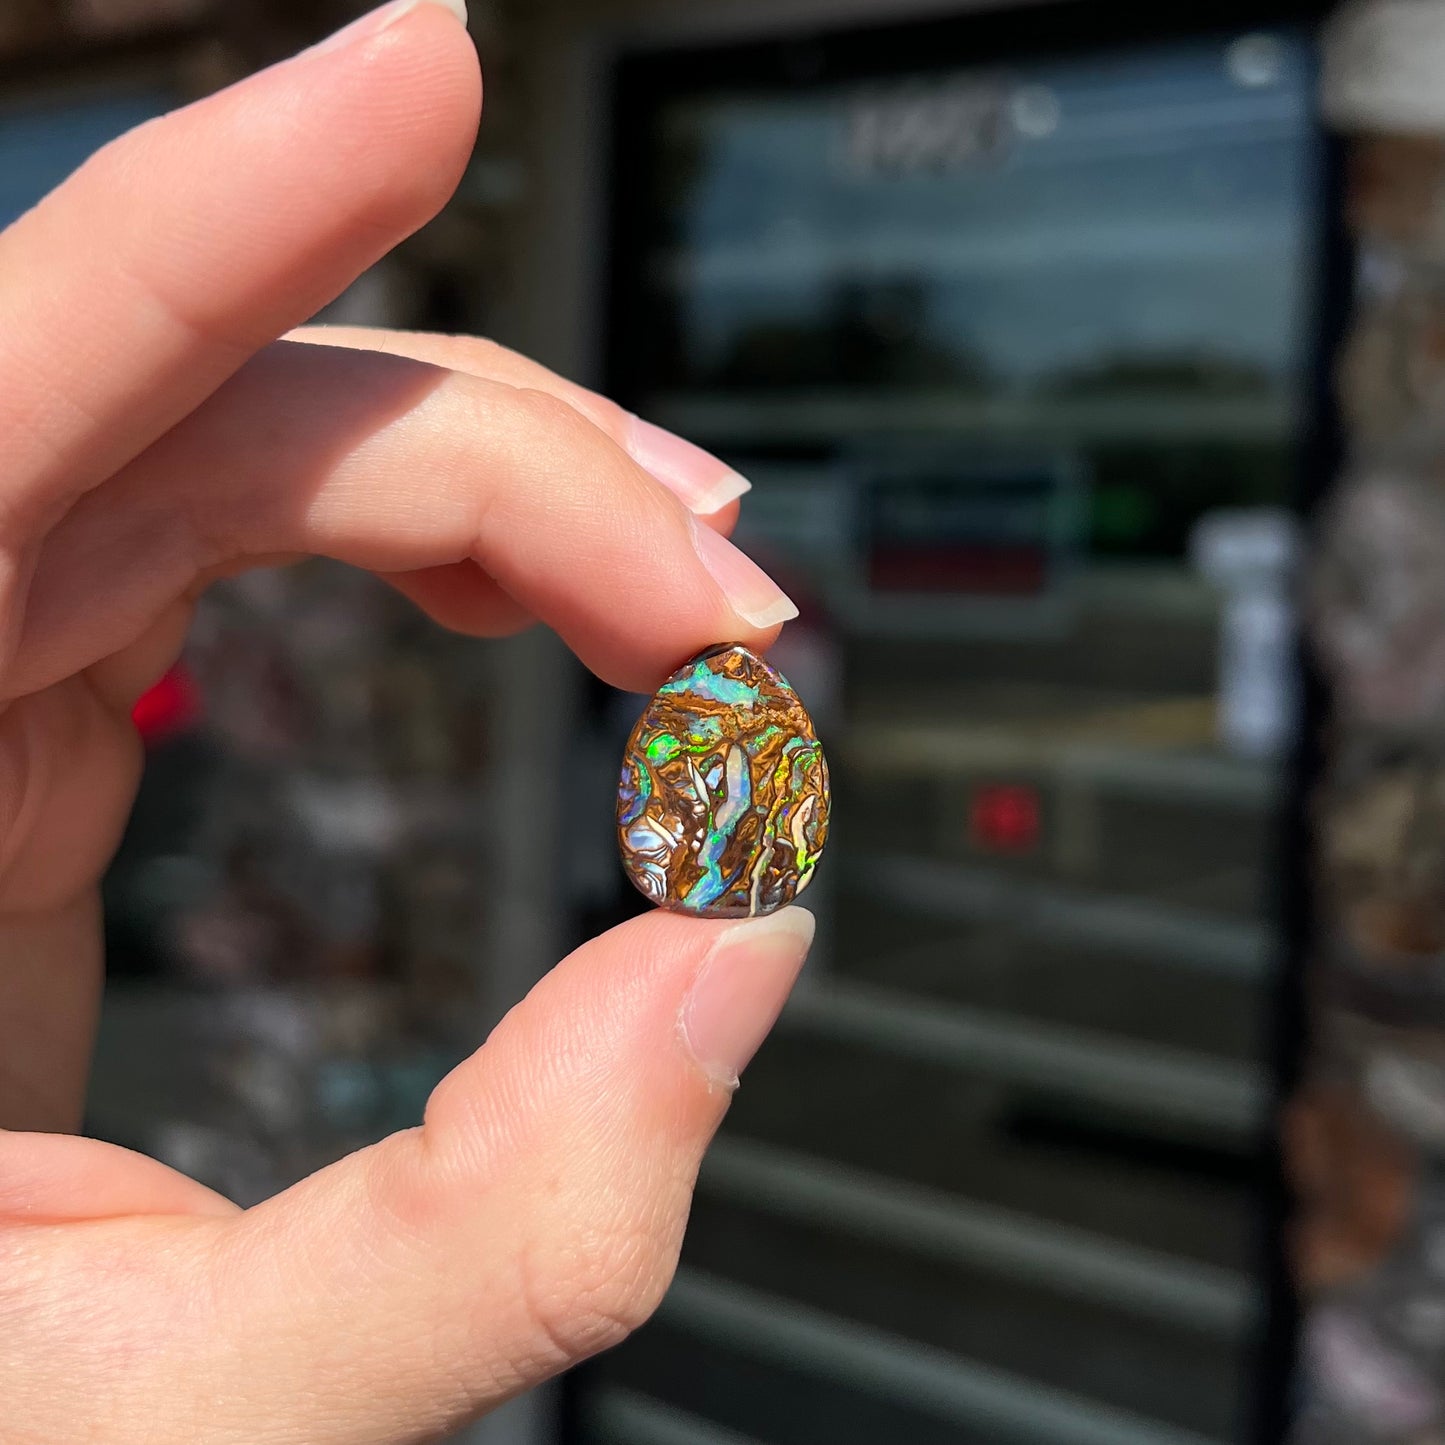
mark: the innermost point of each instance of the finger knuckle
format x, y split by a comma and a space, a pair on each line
551, 438
552, 417
481, 356
555, 438
594, 1294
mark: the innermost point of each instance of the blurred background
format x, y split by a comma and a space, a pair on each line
1088, 360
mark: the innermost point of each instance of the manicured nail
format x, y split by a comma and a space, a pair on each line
375, 21
703, 483
750, 592
740, 990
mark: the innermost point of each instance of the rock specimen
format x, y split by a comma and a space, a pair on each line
722, 809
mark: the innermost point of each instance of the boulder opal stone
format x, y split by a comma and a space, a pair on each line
722, 809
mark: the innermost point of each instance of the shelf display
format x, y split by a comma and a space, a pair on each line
1363, 1138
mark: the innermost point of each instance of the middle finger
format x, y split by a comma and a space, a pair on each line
395, 465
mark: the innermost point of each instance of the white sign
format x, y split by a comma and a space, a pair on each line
923, 127
1249, 554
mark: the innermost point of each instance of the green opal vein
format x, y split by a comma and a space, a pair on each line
722, 807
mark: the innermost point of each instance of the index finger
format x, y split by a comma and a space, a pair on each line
219, 227
705, 484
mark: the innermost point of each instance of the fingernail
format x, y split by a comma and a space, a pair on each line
740, 990
703, 483
750, 592
375, 21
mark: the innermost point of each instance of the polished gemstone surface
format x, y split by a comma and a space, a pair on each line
722, 809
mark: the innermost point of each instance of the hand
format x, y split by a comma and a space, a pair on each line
158, 435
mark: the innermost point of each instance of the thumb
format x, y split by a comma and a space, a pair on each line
533, 1219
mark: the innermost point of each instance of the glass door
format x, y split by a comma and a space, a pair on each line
1016, 353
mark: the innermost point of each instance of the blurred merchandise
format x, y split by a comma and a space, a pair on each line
317, 904
1392, 375
1378, 598
169, 706
1395, 192
1382, 857
1354, 1180
1365, 1140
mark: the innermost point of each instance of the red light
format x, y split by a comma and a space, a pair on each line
167, 708
1004, 818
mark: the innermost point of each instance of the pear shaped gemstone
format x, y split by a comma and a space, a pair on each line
722, 809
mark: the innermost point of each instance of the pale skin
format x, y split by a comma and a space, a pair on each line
164, 427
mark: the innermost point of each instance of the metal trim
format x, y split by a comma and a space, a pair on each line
855, 1357
821, 1194
1161, 1083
